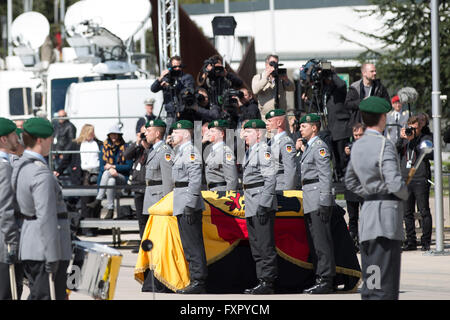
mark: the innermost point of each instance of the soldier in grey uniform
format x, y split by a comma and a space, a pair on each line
318, 201
188, 204
283, 150
396, 119
9, 225
45, 239
220, 163
158, 168
374, 173
259, 183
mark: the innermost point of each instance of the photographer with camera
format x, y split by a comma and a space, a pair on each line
202, 107
367, 86
172, 81
247, 106
419, 187
137, 152
271, 85
215, 78
396, 119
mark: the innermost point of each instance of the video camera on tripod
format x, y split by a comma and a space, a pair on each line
314, 71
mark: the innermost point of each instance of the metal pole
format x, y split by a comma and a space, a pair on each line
227, 56
143, 45
272, 25
55, 11
436, 114
9, 19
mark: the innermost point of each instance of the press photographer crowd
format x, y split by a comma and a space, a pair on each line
360, 141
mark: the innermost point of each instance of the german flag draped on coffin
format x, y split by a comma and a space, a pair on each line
230, 264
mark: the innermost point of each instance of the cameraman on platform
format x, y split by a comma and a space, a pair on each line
419, 187
264, 86
172, 81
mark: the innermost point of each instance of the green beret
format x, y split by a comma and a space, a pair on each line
310, 118
6, 127
38, 127
183, 124
255, 124
275, 113
19, 131
375, 105
155, 123
218, 124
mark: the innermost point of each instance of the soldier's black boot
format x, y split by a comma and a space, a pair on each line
94, 204
109, 214
263, 287
410, 246
322, 286
195, 287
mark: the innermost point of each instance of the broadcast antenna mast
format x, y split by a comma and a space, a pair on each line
168, 31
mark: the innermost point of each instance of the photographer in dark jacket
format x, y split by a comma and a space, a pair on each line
248, 107
335, 91
367, 86
172, 81
215, 78
204, 110
138, 153
419, 187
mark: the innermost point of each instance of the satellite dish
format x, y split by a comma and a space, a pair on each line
30, 29
122, 18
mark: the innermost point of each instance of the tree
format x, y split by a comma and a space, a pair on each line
405, 58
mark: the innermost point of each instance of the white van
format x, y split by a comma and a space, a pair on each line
121, 99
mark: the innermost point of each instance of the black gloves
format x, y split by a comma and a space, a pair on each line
263, 215
325, 213
11, 256
190, 216
51, 267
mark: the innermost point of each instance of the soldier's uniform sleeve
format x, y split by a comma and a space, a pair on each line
194, 172
166, 169
323, 164
352, 182
8, 222
268, 171
391, 172
44, 198
230, 169
288, 153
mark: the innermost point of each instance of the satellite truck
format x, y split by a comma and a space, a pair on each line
97, 81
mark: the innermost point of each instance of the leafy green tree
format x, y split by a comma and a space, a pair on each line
405, 58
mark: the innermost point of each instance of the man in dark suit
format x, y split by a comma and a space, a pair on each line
367, 86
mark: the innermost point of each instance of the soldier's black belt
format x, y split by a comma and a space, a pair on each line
280, 172
309, 181
62, 215
216, 184
373, 197
149, 183
253, 185
181, 184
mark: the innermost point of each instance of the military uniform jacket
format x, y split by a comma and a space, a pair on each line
374, 169
187, 168
220, 166
39, 194
316, 164
283, 151
394, 126
158, 168
9, 228
259, 166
